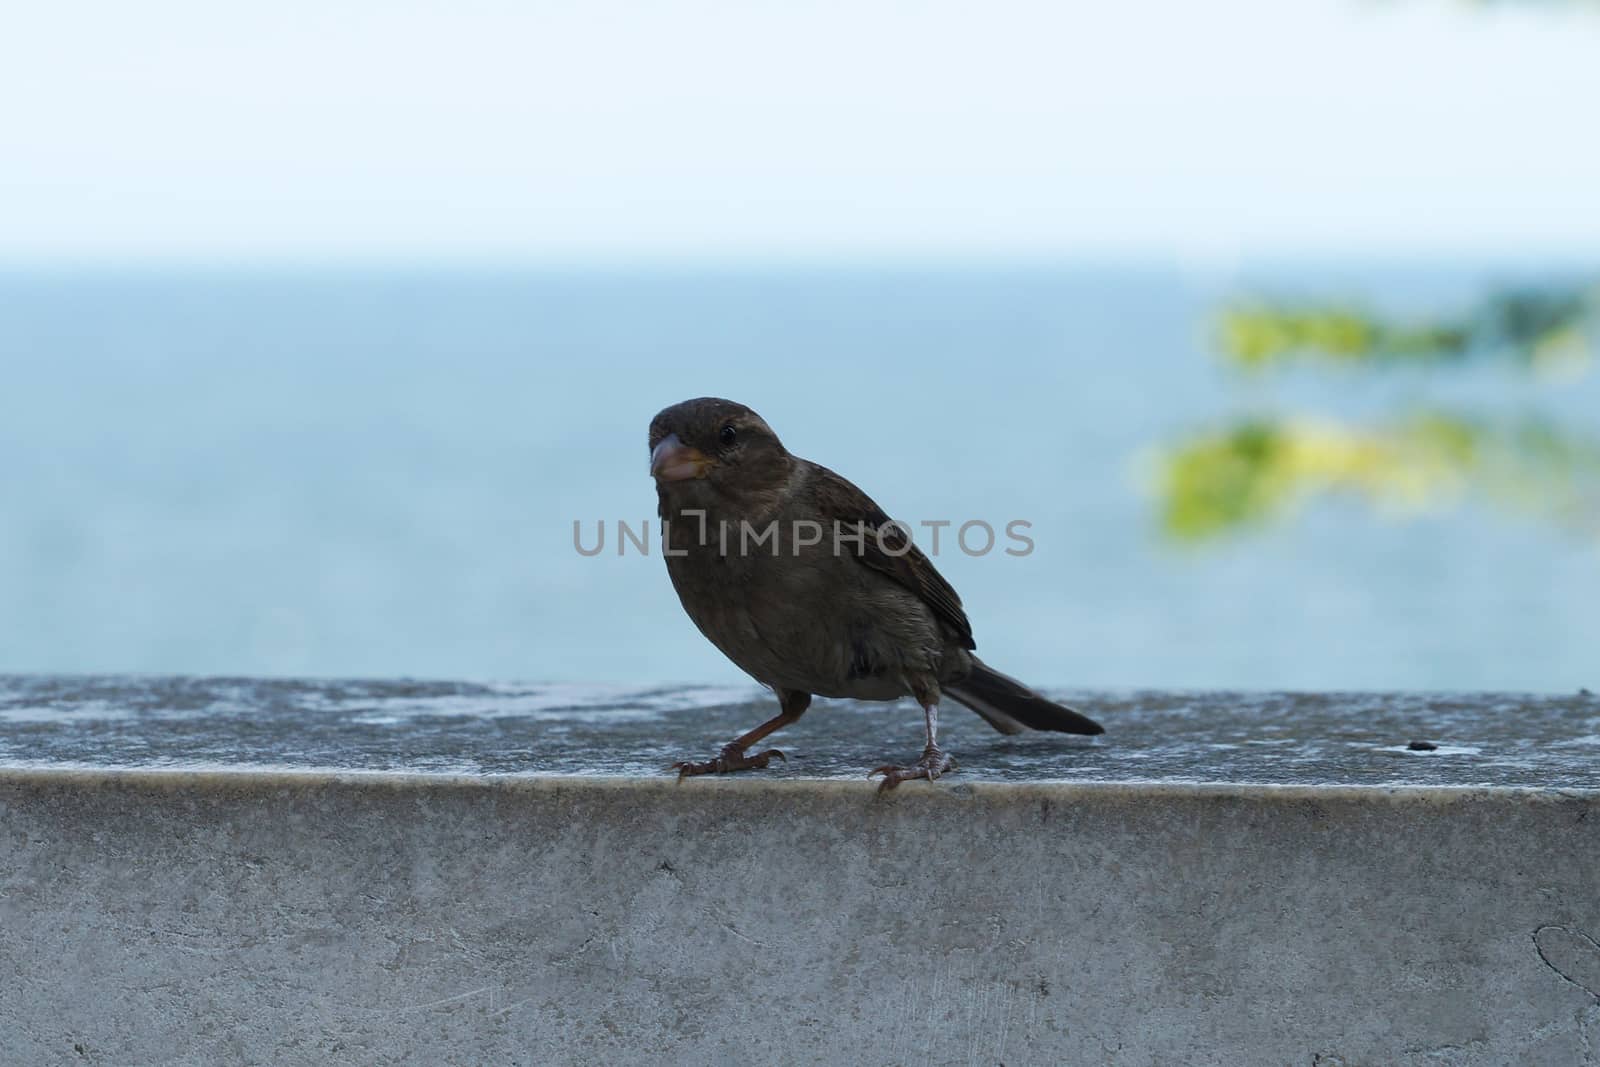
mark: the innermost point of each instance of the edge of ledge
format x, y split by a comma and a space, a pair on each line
236, 780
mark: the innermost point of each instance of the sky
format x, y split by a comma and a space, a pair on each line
632, 130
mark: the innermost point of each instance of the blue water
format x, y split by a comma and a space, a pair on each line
377, 474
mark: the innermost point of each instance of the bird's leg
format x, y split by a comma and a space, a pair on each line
933, 763
734, 756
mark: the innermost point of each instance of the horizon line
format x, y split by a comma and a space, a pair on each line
943, 262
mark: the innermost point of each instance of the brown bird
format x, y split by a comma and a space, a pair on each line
809, 587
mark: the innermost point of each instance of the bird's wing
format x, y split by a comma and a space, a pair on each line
886, 547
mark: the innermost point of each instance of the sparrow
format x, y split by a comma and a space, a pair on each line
808, 586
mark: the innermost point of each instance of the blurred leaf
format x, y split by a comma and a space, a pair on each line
1261, 469
1545, 330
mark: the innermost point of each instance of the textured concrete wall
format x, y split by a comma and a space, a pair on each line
249, 917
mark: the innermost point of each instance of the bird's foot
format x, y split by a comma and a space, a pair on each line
934, 762
731, 758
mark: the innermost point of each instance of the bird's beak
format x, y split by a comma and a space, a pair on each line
674, 461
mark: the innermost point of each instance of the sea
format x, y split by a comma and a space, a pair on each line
378, 472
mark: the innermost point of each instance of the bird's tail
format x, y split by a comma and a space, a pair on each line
1010, 707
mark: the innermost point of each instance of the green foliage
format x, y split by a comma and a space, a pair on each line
1537, 327
1256, 469
1260, 469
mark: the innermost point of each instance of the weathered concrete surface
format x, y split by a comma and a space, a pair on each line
311, 916
466, 728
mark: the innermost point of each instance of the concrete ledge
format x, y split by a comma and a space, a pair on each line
305, 915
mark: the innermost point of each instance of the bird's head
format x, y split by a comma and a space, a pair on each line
716, 445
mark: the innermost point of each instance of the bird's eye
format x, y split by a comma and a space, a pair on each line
727, 435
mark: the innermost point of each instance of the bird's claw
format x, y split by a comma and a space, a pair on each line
934, 762
731, 758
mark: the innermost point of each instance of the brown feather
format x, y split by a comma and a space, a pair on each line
886, 548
